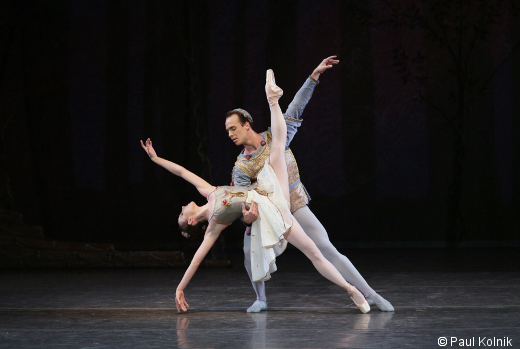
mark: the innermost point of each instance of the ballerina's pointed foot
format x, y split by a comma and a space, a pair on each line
360, 300
364, 307
272, 91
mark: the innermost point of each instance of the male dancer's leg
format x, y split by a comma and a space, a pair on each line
315, 230
259, 286
277, 161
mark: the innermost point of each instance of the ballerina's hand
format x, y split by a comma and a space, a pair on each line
149, 149
180, 302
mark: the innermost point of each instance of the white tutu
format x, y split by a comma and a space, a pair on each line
274, 220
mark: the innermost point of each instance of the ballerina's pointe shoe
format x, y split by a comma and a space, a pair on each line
272, 91
363, 305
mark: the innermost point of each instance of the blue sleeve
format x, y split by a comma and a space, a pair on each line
293, 114
240, 179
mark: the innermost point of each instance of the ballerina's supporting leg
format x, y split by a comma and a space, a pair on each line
296, 236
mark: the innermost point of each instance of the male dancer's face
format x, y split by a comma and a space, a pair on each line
236, 131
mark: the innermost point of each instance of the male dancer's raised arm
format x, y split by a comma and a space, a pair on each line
295, 110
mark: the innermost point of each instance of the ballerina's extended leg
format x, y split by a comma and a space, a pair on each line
297, 236
279, 133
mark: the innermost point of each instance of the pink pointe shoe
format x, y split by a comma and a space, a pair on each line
363, 306
272, 91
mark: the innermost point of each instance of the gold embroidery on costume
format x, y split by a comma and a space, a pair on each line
292, 167
298, 194
225, 202
299, 197
314, 80
291, 119
260, 191
254, 165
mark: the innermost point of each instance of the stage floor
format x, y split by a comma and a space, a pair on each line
471, 294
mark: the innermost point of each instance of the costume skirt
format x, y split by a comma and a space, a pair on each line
274, 220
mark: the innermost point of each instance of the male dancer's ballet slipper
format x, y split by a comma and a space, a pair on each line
272, 91
258, 306
381, 303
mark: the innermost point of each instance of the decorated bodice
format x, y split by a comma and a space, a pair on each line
247, 168
228, 202
251, 165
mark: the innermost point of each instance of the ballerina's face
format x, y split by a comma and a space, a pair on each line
236, 131
187, 212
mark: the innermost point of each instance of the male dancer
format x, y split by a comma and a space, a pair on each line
248, 165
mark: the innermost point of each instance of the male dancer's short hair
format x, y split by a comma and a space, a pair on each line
243, 116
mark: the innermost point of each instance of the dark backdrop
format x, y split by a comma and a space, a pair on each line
83, 81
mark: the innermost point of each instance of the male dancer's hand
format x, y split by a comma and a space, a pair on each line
180, 302
250, 215
327, 63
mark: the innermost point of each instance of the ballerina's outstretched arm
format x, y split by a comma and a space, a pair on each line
212, 232
202, 186
211, 235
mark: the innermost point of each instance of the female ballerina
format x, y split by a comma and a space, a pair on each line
275, 225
